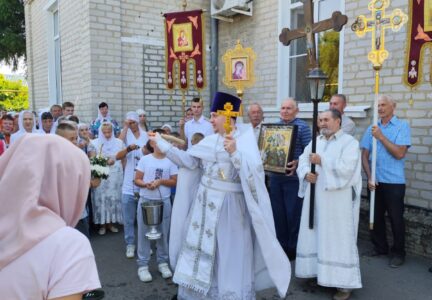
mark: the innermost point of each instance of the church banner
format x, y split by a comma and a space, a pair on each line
184, 45
419, 38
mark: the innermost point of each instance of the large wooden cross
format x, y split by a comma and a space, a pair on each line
336, 22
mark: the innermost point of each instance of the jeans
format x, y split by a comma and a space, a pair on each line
389, 198
129, 205
143, 250
286, 207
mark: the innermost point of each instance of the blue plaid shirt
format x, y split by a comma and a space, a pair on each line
388, 168
304, 136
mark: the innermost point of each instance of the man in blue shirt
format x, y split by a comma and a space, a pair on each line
393, 140
286, 205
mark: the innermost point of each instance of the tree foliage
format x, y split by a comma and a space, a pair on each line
12, 31
13, 95
329, 61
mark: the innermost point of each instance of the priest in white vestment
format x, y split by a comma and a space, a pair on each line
329, 250
222, 242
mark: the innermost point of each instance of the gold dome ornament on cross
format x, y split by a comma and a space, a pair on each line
377, 25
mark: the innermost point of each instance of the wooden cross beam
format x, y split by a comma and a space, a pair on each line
228, 113
336, 22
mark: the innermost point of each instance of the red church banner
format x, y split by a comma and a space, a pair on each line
184, 44
419, 38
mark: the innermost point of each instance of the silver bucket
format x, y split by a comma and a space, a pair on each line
152, 212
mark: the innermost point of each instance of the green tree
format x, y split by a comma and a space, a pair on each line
12, 31
13, 95
329, 61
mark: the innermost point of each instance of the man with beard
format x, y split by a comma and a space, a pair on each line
329, 251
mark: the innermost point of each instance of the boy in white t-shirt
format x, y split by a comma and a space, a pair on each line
155, 175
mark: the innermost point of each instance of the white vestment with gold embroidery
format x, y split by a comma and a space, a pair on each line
223, 243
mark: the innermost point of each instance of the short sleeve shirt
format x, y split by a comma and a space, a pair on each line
154, 168
202, 126
388, 168
62, 264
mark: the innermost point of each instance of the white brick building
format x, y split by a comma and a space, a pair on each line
112, 50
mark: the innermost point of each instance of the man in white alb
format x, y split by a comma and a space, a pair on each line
197, 124
329, 251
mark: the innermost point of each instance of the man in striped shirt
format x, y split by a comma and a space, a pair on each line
286, 204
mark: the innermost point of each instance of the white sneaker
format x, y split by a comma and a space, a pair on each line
165, 270
144, 274
130, 251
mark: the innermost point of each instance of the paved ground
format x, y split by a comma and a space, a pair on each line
120, 281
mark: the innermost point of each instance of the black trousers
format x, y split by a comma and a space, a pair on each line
389, 198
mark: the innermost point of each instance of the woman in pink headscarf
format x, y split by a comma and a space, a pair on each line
44, 182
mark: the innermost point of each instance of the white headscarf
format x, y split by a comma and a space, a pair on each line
142, 140
21, 131
110, 146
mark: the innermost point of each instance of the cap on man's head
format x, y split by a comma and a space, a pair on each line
132, 116
220, 99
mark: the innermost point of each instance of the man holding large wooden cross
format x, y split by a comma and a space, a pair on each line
327, 250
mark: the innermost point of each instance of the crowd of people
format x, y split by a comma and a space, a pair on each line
229, 228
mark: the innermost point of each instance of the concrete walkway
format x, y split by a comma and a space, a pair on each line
120, 281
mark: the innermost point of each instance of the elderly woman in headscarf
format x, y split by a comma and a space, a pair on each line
106, 199
26, 124
41, 255
84, 136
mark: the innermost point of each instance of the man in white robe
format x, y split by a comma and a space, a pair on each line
329, 250
223, 243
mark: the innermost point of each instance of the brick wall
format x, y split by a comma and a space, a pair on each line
123, 68
37, 58
75, 55
127, 66
359, 83
259, 32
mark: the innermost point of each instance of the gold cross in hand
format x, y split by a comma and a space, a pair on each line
228, 113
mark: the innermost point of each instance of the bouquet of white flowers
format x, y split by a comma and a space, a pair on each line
99, 167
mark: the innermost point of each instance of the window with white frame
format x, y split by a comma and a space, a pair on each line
292, 61
54, 53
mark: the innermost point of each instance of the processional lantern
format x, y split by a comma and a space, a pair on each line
316, 77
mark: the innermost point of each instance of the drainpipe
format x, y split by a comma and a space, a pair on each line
214, 55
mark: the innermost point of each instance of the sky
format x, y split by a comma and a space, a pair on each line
5, 69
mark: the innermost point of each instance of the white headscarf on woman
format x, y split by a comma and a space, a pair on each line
21, 130
110, 146
133, 116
